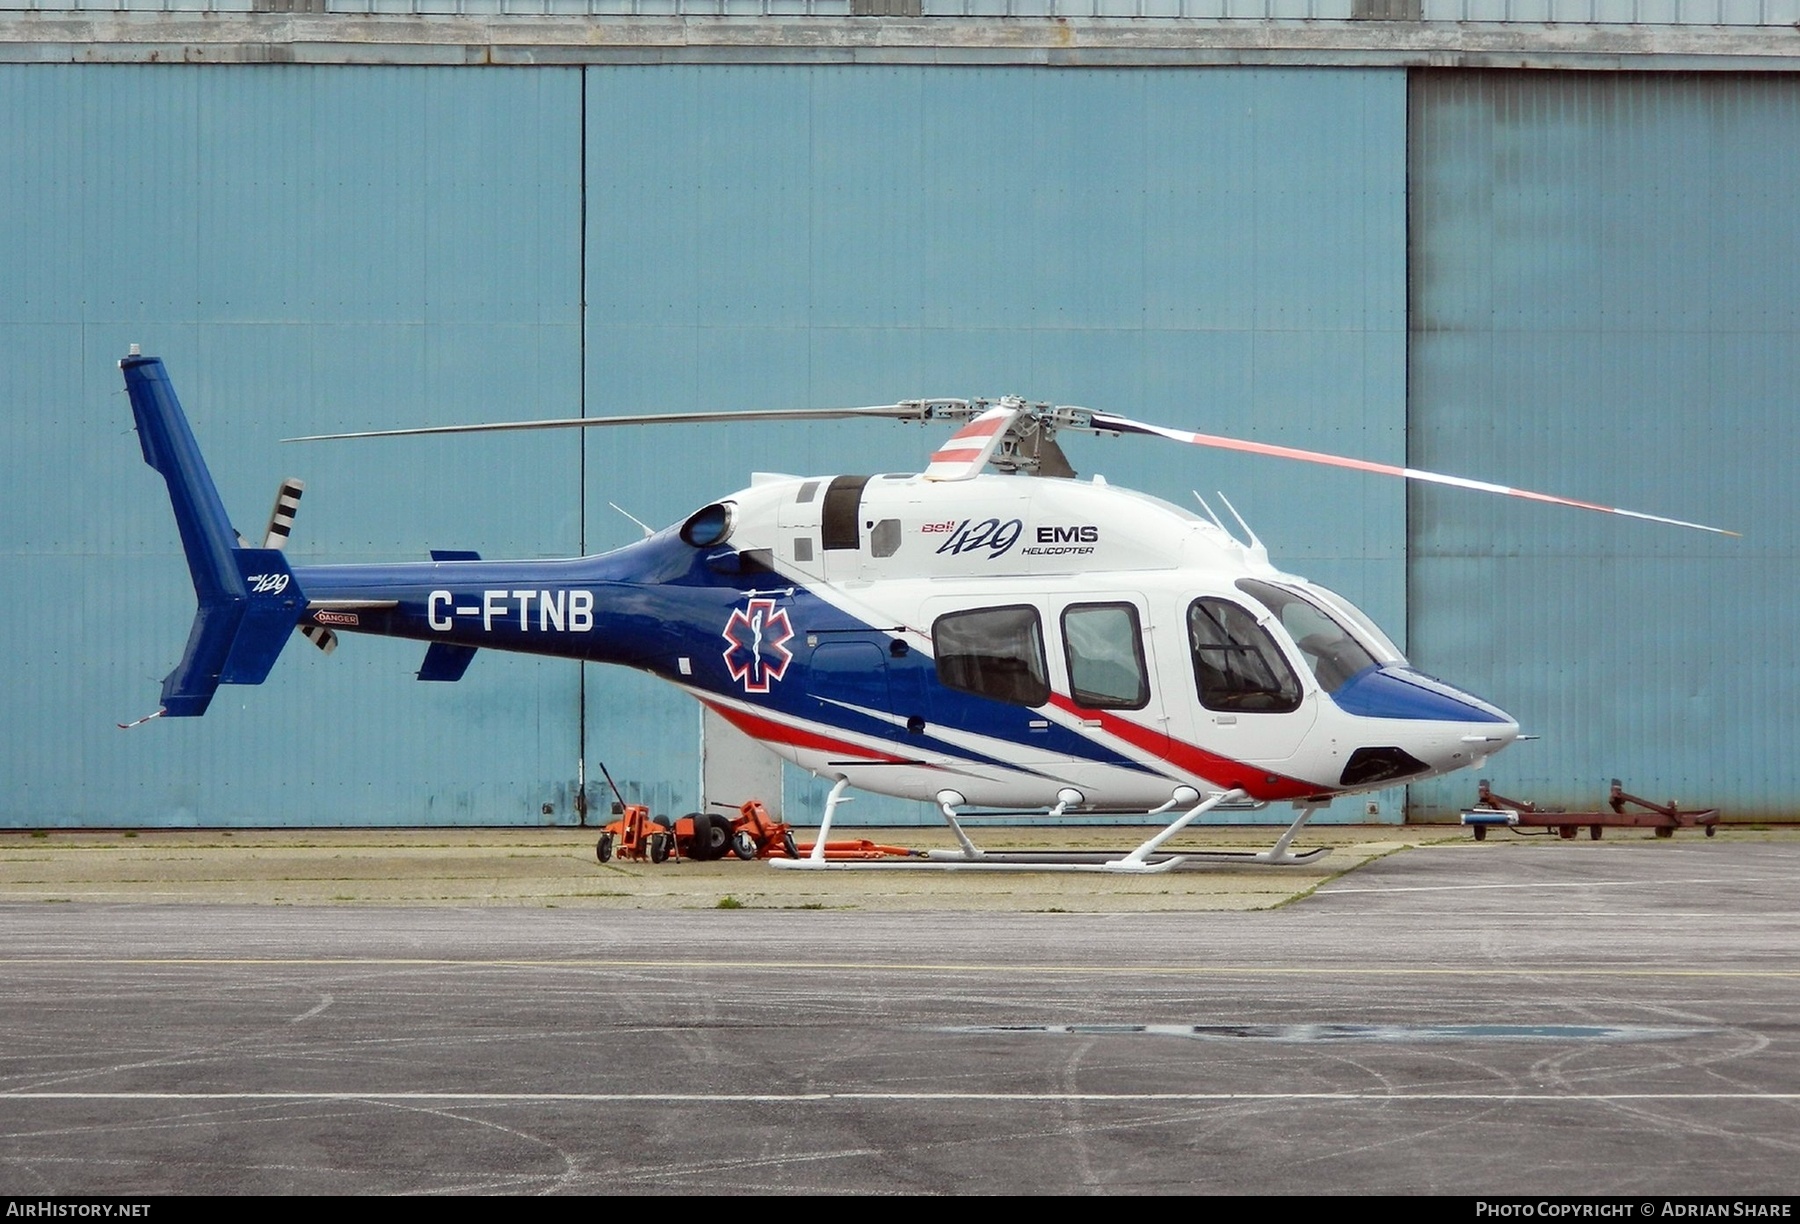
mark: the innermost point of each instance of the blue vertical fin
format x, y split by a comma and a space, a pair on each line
248, 599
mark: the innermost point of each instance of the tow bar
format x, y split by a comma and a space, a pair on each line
1492, 810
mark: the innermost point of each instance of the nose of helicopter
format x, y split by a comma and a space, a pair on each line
1439, 726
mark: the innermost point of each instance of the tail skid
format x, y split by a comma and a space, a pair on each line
248, 599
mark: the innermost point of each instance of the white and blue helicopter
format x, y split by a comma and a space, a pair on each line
1018, 640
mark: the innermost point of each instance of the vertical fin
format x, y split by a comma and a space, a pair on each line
248, 599
168, 443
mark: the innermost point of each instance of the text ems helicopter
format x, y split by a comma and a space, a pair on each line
1020, 641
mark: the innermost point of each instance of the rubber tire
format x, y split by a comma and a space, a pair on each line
787, 843
712, 837
603, 849
718, 836
659, 847
743, 844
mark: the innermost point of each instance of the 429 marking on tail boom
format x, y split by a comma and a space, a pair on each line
1016, 639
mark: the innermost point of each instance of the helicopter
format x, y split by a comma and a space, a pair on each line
1015, 640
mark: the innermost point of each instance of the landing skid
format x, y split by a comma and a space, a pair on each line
1146, 859
1059, 860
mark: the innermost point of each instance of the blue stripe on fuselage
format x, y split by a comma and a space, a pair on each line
658, 604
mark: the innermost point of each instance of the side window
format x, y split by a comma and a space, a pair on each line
884, 540
1237, 665
1105, 651
993, 652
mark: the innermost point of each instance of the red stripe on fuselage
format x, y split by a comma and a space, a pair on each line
1256, 782
769, 731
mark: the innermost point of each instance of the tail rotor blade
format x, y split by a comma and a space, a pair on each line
281, 518
320, 636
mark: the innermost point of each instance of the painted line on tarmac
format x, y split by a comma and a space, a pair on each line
1114, 970
702, 1098
1408, 888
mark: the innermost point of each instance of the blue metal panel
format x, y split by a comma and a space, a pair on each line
869, 203
309, 249
314, 249
1606, 283
1220, 250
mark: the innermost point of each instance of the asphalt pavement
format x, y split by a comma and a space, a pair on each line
295, 1014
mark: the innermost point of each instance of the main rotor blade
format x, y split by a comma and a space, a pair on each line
1118, 424
913, 410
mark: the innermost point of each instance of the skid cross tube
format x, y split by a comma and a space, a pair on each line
1136, 860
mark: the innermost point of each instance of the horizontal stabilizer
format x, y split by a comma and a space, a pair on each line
446, 662
236, 638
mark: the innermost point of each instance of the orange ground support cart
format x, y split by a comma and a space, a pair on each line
751, 833
757, 835
635, 836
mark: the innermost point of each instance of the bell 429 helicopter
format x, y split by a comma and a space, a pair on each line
1018, 640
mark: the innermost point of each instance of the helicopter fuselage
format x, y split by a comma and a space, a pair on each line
973, 640
1016, 642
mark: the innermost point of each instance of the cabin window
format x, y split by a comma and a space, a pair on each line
885, 537
1237, 665
842, 513
993, 652
1105, 651
1332, 653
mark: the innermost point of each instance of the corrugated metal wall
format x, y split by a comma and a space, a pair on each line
1605, 304
319, 248
1588, 12
307, 248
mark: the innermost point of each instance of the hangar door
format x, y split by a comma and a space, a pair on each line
1218, 249
1604, 296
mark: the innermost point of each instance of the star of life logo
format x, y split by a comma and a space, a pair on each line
758, 634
